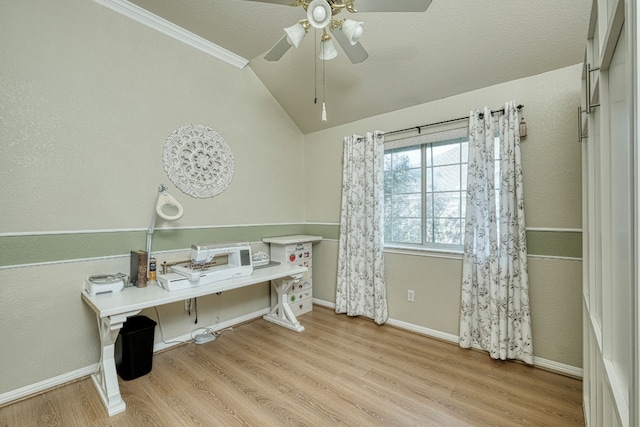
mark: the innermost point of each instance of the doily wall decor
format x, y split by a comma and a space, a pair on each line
198, 161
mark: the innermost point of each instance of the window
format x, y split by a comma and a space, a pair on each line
425, 190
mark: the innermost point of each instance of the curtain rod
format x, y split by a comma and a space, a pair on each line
519, 107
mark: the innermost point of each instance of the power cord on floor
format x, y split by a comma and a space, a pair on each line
207, 335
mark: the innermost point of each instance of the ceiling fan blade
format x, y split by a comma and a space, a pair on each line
356, 53
391, 6
278, 50
283, 2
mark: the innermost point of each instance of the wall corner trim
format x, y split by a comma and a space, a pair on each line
165, 27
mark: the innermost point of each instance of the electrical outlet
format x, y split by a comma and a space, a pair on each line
410, 295
187, 305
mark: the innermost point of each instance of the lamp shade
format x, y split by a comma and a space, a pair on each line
327, 49
168, 207
353, 30
319, 13
295, 34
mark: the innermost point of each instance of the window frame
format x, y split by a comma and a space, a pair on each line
453, 134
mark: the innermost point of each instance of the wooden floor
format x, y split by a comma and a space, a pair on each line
339, 371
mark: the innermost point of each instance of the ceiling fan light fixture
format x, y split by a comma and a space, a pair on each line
327, 48
319, 13
353, 30
295, 34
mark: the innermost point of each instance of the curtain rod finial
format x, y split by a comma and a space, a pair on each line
522, 128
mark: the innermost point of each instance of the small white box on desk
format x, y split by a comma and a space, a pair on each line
104, 283
173, 282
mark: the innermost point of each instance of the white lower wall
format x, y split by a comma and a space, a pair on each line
554, 283
48, 331
66, 377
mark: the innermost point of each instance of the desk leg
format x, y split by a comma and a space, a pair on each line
106, 379
281, 314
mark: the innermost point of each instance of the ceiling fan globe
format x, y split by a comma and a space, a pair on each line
319, 13
295, 34
353, 30
327, 49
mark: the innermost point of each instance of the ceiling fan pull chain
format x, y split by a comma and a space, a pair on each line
315, 66
324, 107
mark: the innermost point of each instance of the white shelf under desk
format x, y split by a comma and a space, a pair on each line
113, 309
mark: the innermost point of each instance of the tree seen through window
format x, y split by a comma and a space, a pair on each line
425, 193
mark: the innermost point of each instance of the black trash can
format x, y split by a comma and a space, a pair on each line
134, 347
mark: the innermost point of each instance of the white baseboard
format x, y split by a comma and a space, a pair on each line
432, 333
41, 386
325, 304
557, 367
539, 362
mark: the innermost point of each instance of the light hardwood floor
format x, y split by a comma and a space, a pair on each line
339, 371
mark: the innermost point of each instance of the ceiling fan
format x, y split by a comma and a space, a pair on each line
320, 15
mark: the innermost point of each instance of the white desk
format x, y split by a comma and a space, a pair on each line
112, 310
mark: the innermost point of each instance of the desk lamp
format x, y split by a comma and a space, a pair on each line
168, 208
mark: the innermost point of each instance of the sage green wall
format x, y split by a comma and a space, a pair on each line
552, 186
88, 100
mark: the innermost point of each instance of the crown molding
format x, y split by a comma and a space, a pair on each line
147, 18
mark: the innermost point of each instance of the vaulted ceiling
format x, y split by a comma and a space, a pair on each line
414, 57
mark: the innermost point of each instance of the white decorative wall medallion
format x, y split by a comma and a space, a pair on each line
198, 161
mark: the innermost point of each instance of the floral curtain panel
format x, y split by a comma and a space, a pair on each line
495, 311
360, 283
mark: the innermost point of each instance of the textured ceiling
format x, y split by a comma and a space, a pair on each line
454, 47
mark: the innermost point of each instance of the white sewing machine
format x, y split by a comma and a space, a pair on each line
209, 264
